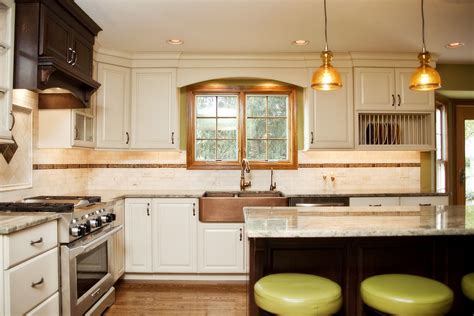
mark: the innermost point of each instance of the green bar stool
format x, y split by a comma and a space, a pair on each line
467, 285
293, 294
404, 294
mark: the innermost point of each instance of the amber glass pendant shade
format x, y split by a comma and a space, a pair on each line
326, 77
425, 77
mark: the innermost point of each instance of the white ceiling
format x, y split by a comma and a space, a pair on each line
267, 26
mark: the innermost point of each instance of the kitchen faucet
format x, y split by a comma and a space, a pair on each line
244, 168
273, 185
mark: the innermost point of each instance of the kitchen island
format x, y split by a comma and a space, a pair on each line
349, 244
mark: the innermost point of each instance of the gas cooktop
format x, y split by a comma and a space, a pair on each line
37, 207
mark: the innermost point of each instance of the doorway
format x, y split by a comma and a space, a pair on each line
464, 154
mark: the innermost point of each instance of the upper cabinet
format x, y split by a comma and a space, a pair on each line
62, 36
154, 108
7, 22
386, 89
137, 108
332, 115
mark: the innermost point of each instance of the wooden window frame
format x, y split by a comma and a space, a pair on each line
193, 164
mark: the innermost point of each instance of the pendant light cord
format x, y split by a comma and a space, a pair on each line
422, 25
326, 27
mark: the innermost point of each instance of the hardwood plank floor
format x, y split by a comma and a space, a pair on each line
165, 298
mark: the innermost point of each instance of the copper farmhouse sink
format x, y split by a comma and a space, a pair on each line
227, 206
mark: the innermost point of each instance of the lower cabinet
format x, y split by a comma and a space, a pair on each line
160, 235
374, 201
119, 241
221, 248
424, 200
400, 200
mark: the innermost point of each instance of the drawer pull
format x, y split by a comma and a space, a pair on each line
375, 205
425, 204
241, 234
35, 284
39, 241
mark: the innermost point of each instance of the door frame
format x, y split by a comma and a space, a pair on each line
463, 109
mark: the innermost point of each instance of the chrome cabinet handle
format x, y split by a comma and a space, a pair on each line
172, 138
13, 121
128, 138
312, 137
74, 54
148, 209
241, 234
393, 100
399, 100
35, 284
194, 209
39, 241
69, 61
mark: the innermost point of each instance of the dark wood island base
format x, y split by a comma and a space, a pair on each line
349, 260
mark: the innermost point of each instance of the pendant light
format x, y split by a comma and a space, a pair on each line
326, 77
425, 77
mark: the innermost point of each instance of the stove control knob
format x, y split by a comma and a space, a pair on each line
113, 216
74, 221
78, 231
95, 222
106, 218
102, 210
87, 227
97, 212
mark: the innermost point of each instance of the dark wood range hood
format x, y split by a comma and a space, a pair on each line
54, 42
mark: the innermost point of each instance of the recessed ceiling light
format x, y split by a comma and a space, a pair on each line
454, 45
300, 42
174, 42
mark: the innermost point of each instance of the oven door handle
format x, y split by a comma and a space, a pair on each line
74, 252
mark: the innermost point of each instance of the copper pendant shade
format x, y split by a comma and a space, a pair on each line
425, 78
326, 77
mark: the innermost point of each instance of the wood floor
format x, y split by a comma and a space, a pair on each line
158, 298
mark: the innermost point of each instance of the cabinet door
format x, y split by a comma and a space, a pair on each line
138, 244
154, 109
119, 241
375, 89
7, 28
333, 115
424, 200
174, 235
409, 100
113, 106
374, 201
83, 55
55, 36
221, 248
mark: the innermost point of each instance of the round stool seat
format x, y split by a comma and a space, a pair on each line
404, 294
298, 294
467, 284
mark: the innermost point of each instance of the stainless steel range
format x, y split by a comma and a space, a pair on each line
85, 233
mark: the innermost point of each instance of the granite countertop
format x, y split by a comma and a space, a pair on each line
13, 222
274, 222
112, 195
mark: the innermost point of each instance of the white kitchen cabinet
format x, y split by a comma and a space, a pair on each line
7, 32
424, 200
119, 241
65, 128
174, 235
138, 235
29, 268
332, 115
386, 89
160, 235
374, 201
113, 106
154, 109
221, 248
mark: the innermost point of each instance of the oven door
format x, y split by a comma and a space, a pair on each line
86, 267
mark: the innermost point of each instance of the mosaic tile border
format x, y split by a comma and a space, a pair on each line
181, 166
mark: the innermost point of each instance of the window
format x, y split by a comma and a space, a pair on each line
232, 123
441, 148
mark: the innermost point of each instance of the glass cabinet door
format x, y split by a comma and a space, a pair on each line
83, 133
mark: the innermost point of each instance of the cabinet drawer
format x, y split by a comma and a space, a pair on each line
30, 242
49, 307
374, 201
21, 295
424, 200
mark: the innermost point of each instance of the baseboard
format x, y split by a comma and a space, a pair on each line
186, 277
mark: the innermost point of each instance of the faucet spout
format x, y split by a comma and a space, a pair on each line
244, 168
273, 185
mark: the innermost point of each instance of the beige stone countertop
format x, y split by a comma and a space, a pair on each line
11, 222
277, 222
111, 195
